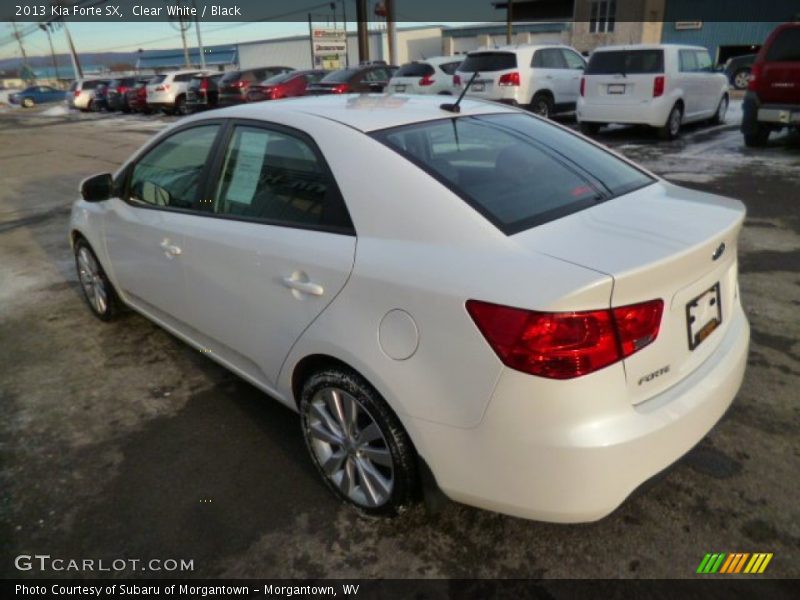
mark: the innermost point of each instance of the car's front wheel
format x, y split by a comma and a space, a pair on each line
357, 443
97, 289
27, 102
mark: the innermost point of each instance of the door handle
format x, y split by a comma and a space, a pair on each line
305, 287
170, 249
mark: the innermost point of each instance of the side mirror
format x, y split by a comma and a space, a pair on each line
97, 188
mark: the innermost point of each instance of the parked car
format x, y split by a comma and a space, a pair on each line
234, 85
354, 80
136, 97
117, 94
545, 79
167, 92
285, 85
36, 94
203, 92
428, 76
737, 70
772, 101
100, 99
470, 338
81, 93
660, 85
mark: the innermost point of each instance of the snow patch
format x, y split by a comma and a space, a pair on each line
690, 177
55, 111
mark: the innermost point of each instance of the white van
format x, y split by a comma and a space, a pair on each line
661, 85
545, 79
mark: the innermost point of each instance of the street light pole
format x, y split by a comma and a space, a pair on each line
199, 39
46, 28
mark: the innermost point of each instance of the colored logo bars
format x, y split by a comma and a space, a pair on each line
735, 562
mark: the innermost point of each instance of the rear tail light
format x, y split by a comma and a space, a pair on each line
77, 93
755, 75
509, 79
204, 84
162, 88
456, 79
658, 86
239, 84
427, 80
340, 89
583, 86
565, 345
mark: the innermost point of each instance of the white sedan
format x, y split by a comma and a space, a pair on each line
481, 299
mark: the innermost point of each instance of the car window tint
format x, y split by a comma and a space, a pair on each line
703, 60
785, 47
515, 169
415, 69
488, 61
340, 76
552, 59
276, 177
629, 62
688, 61
157, 79
169, 174
314, 77
573, 60
449, 68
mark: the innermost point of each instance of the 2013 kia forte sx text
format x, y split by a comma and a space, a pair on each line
481, 295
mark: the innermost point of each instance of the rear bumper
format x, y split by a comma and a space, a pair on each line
653, 113
776, 115
571, 457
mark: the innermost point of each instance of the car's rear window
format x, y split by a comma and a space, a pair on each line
280, 78
229, 77
516, 170
91, 85
157, 79
785, 47
628, 62
414, 70
488, 61
339, 76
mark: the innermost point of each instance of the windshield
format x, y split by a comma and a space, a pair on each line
489, 61
516, 170
339, 76
628, 62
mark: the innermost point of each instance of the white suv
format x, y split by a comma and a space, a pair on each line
660, 85
81, 93
545, 79
428, 76
168, 91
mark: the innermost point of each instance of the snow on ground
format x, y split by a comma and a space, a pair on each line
59, 110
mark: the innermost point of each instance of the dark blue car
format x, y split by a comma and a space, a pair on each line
36, 94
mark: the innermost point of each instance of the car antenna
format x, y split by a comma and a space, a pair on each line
454, 107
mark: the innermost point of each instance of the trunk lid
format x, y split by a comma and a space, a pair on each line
663, 242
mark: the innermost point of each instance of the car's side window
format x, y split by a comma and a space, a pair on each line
278, 178
450, 68
573, 60
549, 58
704, 61
688, 61
169, 175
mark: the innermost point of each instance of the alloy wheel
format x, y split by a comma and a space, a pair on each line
741, 80
92, 281
350, 447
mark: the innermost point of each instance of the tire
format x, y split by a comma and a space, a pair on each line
722, 109
27, 102
589, 128
758, 137
180, 106
542, 105
98, 291
376, 474
672, 128
740, 79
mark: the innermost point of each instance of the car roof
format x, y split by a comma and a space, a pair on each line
520, 48
364, 112
648, 47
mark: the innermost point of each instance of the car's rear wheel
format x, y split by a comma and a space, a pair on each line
97, 289
741, 78
542, 105
180, 106
590, 128
722, 110
27, 102
672, 127
357, 443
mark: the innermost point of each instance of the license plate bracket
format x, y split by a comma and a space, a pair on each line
703, 315
400, 89
478, 87
616, 88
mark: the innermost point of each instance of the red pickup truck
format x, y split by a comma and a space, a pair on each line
772, 101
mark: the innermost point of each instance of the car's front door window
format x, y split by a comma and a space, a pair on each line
169, 175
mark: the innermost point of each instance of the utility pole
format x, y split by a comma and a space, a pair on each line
76, 63
363, 31
391, 32
199, 39
509, 21
311, 41
25, 68
46, 28
346, 45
